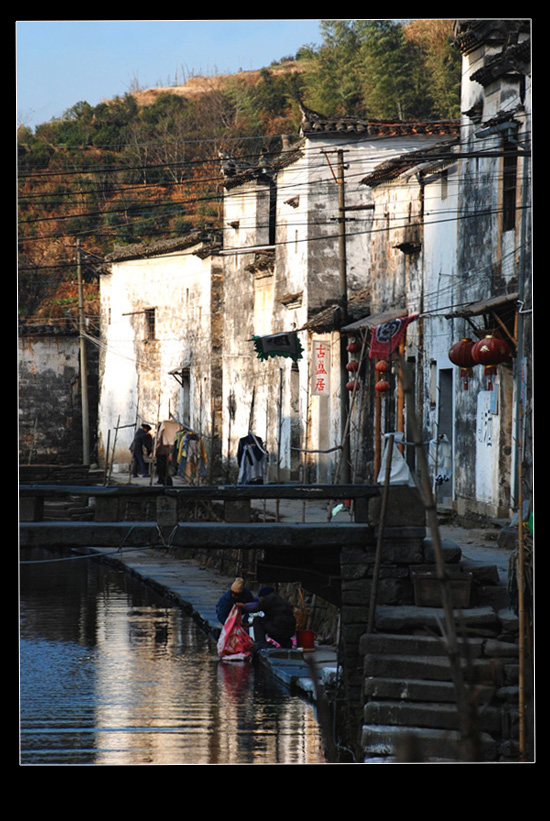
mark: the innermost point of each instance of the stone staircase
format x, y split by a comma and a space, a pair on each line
69, 508
410, 711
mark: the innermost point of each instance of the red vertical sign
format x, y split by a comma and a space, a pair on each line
320, 369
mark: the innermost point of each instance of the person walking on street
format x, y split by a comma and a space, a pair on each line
142, 445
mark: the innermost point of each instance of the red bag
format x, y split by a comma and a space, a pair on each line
234, 643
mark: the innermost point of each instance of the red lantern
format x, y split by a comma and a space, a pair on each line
461, 354
353, 365
353, 347
352, 383
381, 366
490, 352
382, 386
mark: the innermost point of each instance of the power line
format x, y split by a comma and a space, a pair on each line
309, 239
126, 206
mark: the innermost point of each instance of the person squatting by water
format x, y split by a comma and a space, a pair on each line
142, 444
236, 593
276, 620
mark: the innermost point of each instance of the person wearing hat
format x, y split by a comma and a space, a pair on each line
143, 443
236, 593
277, 621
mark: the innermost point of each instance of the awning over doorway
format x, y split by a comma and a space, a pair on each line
483, 306
496, 310
373, 320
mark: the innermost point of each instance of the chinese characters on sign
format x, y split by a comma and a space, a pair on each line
320, 374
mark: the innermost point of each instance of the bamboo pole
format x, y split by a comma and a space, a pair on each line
400, 426
381, 525
106, 468
377, 433
114, 450
521, 608
280, 426
465, 707
305, 435
153, 464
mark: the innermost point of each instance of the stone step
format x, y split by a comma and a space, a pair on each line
427, 715
418, 744
431, 668
65, 510
396, 644
474, 621
441, 692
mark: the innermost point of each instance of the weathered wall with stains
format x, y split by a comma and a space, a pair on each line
137, 383
493, 251
50, 423
279, 287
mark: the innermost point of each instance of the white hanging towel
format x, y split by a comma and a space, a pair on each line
440, 459
400, 473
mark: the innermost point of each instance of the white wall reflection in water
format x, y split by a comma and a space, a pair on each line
132, 681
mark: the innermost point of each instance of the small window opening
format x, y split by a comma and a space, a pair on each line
444, 185
509, 186
150, 323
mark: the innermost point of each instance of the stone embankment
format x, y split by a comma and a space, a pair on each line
399, 674
197, 589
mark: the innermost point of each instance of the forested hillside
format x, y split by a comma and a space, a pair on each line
146, 166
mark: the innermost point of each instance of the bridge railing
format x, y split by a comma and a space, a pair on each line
237, 500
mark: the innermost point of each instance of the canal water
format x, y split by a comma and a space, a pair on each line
113, 674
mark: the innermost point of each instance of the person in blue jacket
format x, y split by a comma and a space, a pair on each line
236, 593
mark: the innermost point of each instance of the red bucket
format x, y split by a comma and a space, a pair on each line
305, 639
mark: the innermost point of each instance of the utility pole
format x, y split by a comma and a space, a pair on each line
83, 363
343, 299
343, 470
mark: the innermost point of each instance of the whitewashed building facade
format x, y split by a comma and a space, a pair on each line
355, 223
283, 255
160, 342
455, 252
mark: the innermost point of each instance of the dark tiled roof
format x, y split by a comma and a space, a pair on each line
470, 34
237, 173
326, 319
391, 169
513, 60
209, 239
315, 123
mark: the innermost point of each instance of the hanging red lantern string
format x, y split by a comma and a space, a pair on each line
381, 368
490, 352
461, 354
353, 365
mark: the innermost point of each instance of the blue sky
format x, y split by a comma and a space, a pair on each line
62, 62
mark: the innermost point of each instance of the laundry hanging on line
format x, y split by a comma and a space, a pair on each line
189, 455
400, 473
440, 459
252, 459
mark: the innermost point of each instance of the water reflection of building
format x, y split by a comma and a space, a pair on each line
163, 697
